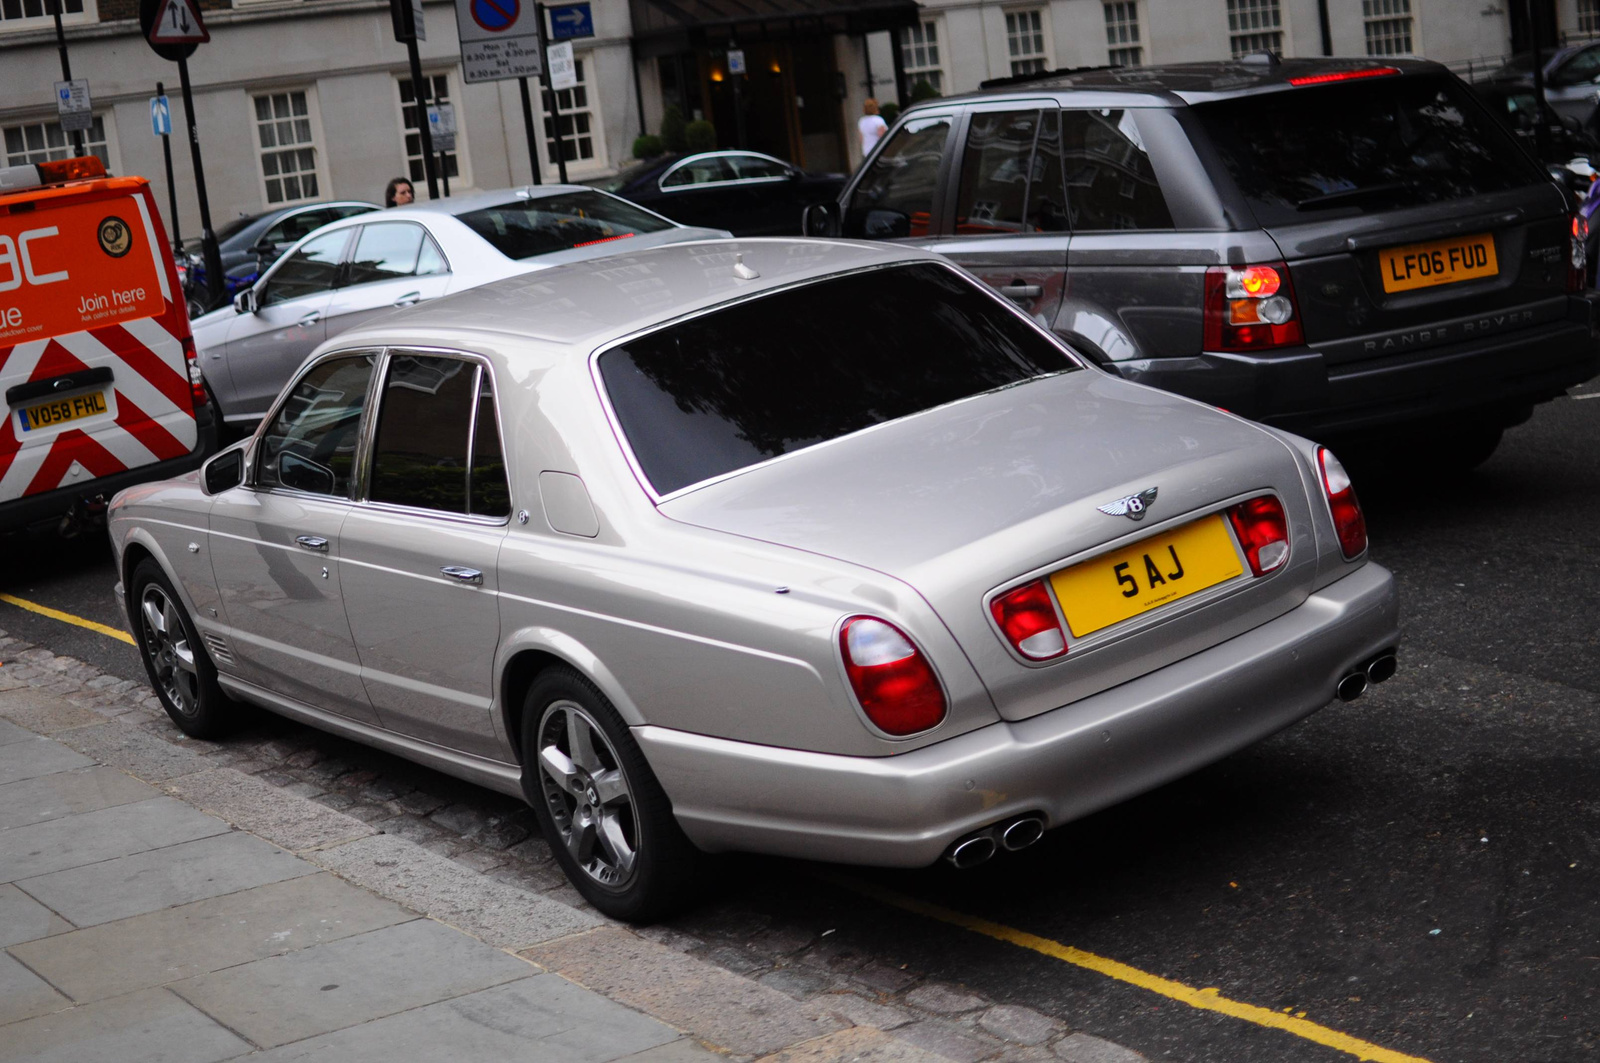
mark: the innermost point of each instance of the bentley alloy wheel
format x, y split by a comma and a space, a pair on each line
588, 795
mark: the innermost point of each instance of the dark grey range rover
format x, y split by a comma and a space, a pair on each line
1336, 247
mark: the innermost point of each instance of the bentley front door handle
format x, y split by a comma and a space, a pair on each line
312, 542
463, 574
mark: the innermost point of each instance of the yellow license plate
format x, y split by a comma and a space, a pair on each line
60, 411
1148, 574
1441, 262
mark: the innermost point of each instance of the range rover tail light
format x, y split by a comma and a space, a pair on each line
1027, 618
1263, 532
1348, 519
1250, 308
891, 678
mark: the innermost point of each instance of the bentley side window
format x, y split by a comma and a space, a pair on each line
420, 452
311, 443
487, 489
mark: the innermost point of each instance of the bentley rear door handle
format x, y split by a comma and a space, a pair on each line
463, 574
312, 542
1022, 291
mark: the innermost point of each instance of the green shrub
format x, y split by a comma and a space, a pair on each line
647, 146
672, 130
889, 112
701, 136
923, 91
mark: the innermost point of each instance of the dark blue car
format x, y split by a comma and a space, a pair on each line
251, 244
745, 192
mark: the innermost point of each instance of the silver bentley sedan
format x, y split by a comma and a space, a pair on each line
811, 548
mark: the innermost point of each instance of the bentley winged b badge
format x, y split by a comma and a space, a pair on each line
1130, 506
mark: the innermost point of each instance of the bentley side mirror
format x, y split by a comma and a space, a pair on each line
820, 219
224, 471
245, 302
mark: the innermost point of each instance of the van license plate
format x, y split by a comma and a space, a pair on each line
59, 411
1146, 575
1440, 262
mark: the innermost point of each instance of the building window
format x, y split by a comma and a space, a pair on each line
580, 123
44, 141
438, 92
1589, 16
920, 49
17, 14
1122, 33
1254, 26
288, 147
1388, 26
1025, 41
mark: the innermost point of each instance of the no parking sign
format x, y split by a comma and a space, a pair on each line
499, 39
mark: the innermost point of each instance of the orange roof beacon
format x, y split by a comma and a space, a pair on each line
101, 385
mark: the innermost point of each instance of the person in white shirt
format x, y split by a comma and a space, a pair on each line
871, 125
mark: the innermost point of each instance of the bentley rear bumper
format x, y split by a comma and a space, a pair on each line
905, 810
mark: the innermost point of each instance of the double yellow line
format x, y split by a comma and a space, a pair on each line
68, 618
1202, 999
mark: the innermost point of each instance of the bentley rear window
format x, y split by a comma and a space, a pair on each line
799, 367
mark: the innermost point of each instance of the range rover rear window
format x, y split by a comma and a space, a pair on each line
799, 367
1363, 147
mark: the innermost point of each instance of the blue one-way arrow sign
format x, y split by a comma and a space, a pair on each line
160, 116
570, 21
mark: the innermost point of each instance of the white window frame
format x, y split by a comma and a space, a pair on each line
1387, 23
1122, 32
1266, 29
1588, 16
463, 178
1047, 55
88, 16
931, 31
319, 153
597, 125
112, 160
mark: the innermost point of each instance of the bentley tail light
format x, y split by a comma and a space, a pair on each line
1347, 518
1250, 308
891, 678
1027, 618
1263, 532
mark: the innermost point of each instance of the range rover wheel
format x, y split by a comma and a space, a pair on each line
605, 816
180, 670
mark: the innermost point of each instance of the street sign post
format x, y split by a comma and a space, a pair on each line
570, 21
73, 107
552, 101
161, 126
408, 30
54, 8
442, 128
174, 29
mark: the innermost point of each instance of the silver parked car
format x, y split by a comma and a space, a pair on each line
812, 548
348, 272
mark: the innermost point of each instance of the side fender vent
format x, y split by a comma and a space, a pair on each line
218, 647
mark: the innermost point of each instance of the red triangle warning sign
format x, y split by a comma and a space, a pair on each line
178, 22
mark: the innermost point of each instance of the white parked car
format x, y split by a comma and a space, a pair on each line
346, 273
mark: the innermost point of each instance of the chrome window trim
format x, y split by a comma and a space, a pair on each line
665, 189
362, 497
657, 499
252, 478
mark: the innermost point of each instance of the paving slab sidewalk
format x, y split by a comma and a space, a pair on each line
156, 907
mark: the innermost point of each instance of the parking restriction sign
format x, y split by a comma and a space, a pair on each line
499, 39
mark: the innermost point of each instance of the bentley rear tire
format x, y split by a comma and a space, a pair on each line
180, 670
605, 815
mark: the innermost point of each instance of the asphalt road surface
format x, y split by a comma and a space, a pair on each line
1419, 869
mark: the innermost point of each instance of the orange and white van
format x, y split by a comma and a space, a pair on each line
97, 366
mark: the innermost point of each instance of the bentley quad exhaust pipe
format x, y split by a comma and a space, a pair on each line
972, 851
1352, 686
1381, 667
1021, 833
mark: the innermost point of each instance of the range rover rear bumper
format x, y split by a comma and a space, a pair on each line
904, 810
1300, 391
